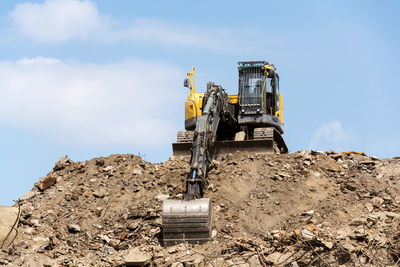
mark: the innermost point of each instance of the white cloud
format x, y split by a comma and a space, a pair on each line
57, 21
132, 102
157, 30
332, 136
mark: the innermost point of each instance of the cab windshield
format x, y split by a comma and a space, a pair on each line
251, 83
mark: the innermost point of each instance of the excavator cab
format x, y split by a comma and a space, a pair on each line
258, 88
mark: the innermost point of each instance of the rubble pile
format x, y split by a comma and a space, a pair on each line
309, 208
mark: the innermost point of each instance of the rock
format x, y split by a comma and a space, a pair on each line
328, 244
161, 197
318, 152
253, 261
133, 226
114, 243
177, 264
137, 172
34, 222
307, 234
348, 246
349, 185
358, 221
336, 156
377, 202
213, 233
100, 193
392, 215
369, 207
367, 162
46, 182
8, 218
40, 242
219, 262
135, 257
28, 195
74, 228
308, 213
99, 162
240, 136
172, 250
105, 238
212, 187
304, 153
37, 260
215, 163
359, 232
108, 168
29, 230
62, 163
376, 216
277, 258
363, 259
277, 177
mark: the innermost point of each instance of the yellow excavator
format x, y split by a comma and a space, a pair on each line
216, 124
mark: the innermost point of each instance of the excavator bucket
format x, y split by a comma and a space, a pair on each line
186, 221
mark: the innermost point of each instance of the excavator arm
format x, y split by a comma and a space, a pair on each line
190, 219
215, 101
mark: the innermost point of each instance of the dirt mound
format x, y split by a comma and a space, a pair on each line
308, 208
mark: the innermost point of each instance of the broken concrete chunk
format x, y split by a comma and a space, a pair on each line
8, 224
108, 168
240, 136
328, 244
40, 242
99, 193
377, 202
28, 195
254, 261
162, 197
369, 207
307, 234
137, 172
62, 163
135, 257
277, 258
74, 228
358, 221
99, 162
46, 182
308, 213
392, 215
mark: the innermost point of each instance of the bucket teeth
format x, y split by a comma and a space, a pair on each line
187, 221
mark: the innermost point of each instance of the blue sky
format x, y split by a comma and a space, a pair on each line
92, 78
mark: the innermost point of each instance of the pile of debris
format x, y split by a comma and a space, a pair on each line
309, 208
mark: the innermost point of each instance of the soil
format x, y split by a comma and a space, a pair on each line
309, 208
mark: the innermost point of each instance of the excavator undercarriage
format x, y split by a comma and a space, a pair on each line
266, 140
251, 121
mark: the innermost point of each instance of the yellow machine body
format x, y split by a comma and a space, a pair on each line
194, 101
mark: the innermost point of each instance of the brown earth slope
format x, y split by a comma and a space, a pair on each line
301, 209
